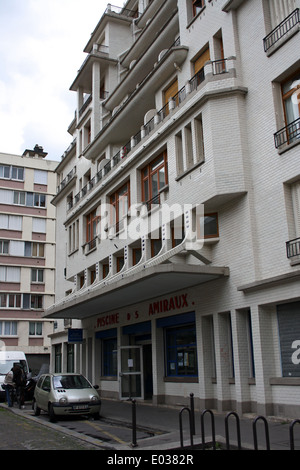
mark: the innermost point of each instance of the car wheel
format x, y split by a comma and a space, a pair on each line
52, 416
96, 416
36, 409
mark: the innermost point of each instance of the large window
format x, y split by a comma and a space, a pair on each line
181, 351
12, 172
10, 274
10, 300
8, 328
291, 101
92, 220
120, 202
11, 222
109, 350
154, 179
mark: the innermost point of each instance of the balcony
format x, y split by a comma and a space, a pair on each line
67, 179
288, 135
293, 248
288, 26
213, 70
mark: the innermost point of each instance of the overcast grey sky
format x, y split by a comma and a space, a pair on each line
41, 50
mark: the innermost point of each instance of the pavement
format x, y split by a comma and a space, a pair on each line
158, 429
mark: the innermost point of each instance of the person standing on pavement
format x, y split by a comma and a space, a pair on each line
9, 386
19, 378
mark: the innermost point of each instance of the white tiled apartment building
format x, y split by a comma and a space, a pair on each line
27, 253
191, 105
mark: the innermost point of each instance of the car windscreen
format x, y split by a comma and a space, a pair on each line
7, 365
70, 382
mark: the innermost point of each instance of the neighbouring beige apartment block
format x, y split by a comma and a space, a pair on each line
178, 207
27, 253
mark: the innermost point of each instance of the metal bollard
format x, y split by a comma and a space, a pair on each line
192, 413
233, 413
133, 409
266, 432
292, 442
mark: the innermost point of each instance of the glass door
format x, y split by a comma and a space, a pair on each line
131, 373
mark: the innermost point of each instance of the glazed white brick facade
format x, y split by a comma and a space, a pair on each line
209, 96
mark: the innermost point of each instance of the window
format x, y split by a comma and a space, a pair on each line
17, 173
136, 255
16, 248
291, 102
38, 225
181, 351
92, 220
34, 249
120, 202
8, 328
12, 172
10, 300
19, 197
211, 228
4, 171
35, 328
39, 200
40, 177
154, 179
109, 351
169, 93
10, 274
70, 357
6, 196
199, 66
10, 222
57, 358
4, 247
36, 302
120, 263
74, 236
37, 275
197, 6
156, 243
105, 269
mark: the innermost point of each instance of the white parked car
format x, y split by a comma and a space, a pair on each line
66, 394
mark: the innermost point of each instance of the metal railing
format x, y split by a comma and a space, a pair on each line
122, 11
228, 444
293, 248
218, 67
282, 29
287, 134
66, 180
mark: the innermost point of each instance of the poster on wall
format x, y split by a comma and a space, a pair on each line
289, 335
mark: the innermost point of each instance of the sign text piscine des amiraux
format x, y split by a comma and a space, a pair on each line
171, 304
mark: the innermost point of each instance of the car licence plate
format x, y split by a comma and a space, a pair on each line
80, 407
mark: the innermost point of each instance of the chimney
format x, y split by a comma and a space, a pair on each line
38, 151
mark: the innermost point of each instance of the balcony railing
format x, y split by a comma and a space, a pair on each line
85, 105
66, 180
293, 248
217, 68
122, 11
90, 245
288, 134
282, 29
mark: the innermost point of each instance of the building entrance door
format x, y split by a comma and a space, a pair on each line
131, 372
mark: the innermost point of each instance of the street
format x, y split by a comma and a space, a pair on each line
18, 433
